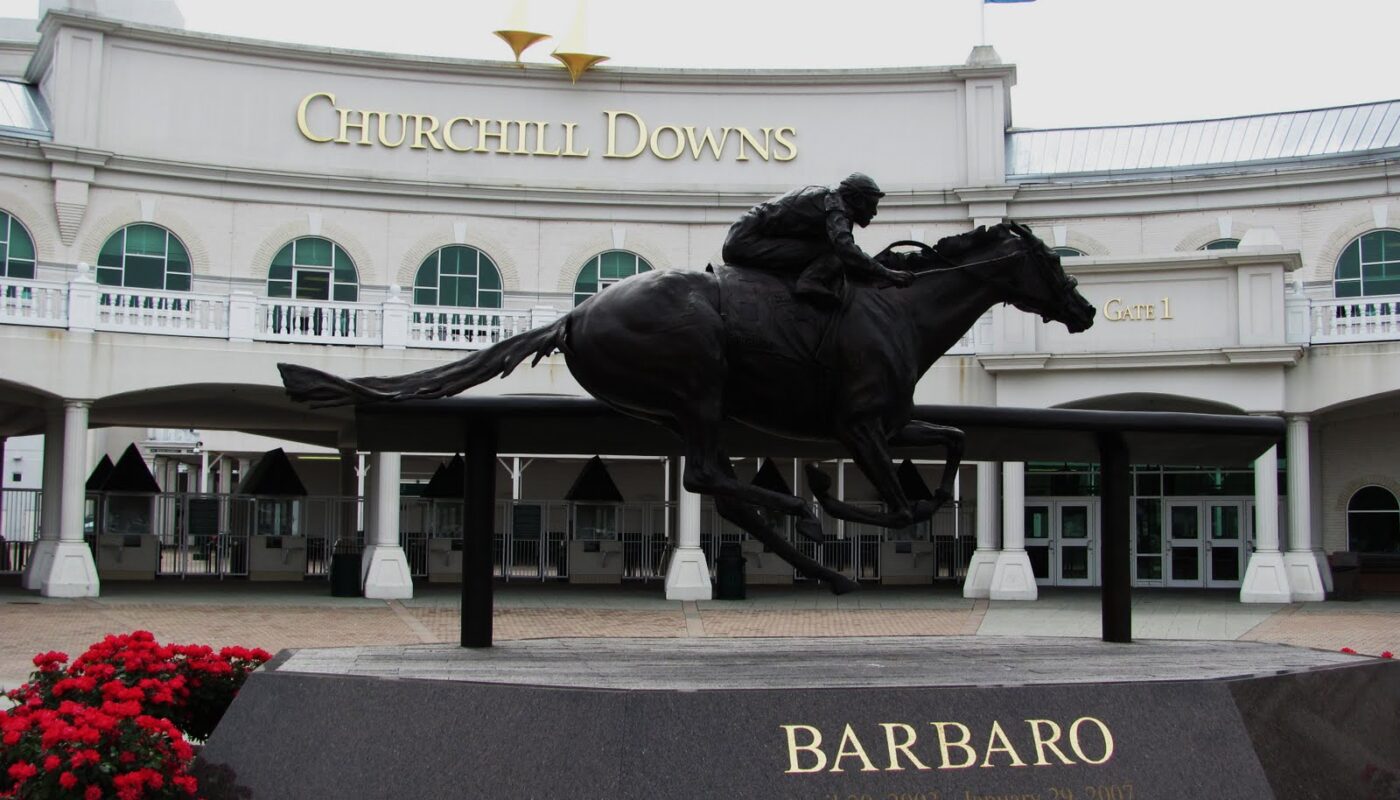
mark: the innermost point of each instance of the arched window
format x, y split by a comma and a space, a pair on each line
605, 269
458, 276
1369, 266
1067, 252
1222, 244
1373, 521
144, 256
16, 249
313, 268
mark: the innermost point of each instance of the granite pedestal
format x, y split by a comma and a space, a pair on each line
948, 718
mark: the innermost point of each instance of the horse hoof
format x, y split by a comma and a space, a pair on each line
811, 530
842, 585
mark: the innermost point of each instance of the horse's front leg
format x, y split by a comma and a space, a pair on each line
866, 443
918, 433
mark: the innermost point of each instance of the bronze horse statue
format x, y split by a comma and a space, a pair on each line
688, 349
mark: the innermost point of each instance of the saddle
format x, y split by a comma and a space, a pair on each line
764, 319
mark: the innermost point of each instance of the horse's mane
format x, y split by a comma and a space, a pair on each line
953, 248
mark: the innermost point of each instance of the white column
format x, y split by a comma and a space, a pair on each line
1303, 561
72, 572
688, 574
984, 559
386, 573
225, 475
203, 471
41, 557
1266, 577
1012, 577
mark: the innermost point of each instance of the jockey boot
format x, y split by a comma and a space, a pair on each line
819, 283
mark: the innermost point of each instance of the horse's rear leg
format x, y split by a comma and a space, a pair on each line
923, 434
708, 472
746, 516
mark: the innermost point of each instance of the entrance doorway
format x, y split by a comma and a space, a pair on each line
1206, 541
1062, 540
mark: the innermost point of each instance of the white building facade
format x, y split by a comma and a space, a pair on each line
183, 211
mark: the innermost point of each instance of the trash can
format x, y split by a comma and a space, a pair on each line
1346, 575
345, 575
729, 573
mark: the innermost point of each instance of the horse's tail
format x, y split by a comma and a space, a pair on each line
321, 389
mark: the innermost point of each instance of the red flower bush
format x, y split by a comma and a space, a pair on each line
114, 723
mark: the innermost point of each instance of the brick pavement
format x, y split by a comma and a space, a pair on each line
299, 616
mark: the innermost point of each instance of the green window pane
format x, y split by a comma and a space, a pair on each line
279, 272
145, 240
1349, 265
283, 258
177, 281
22, 247
179, 259
1222, 244
1389, 285
488, 276
346, 293
144, 272
487, 298
313, 285
457, 260
4, 257
22, 269
344, 265
614, 265
427, 276
313, 252
279, 288
587, 281
1348, 288
425, 297
1388, 246
642, 265
111, 255
345, 273
109, 277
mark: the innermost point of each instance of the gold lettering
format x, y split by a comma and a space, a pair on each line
612, 135
384, 128
345, 125
785, 142
1151, 310
502, 135
541, 129
1103, 730
814, 747
944, 745
999, 735
1113, 310
447, 134
748, 138
301, 116
894, 748
419, 131
656, 142
569, 141
520, 149
1042, 743
706, 140
848, 736
1166, 308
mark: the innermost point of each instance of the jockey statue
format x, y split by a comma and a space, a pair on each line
808, 232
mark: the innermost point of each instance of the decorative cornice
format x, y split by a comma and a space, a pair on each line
70, 154
1285, 356
1195, 259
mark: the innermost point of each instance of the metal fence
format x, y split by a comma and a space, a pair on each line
20, 510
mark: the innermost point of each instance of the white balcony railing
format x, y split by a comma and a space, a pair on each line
1354, 319
463, 328
152, 311
24, 302
316, 322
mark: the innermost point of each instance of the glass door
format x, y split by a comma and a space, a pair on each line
1147, 541
1075, 561
1038, 519
1184, 544
1224, 563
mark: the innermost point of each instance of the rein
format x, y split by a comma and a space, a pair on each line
931, 270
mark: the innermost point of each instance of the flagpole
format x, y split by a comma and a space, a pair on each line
982, 4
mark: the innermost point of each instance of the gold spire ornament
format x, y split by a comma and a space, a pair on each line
573, 53
517, 33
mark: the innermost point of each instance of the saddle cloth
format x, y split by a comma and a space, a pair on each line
763, 319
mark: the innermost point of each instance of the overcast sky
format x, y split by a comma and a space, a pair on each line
1080, 62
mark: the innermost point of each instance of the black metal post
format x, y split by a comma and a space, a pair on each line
478, 530
1115, 481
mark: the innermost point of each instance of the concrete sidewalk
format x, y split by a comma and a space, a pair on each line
277, 616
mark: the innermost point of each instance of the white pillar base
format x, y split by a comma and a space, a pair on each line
71, 572
1265, 579
688, 576
40, 560
387, 576
1012, 577
1324, 568
979, 574
1304, 579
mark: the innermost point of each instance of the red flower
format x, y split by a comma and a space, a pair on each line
1348, 651
52, 762
68, 780
1387, 654
22, 771
92, 793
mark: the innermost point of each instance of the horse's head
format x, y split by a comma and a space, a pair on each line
1038, 284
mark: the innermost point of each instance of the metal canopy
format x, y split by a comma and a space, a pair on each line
538, 424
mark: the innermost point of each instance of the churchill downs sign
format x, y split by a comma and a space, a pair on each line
628, 135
